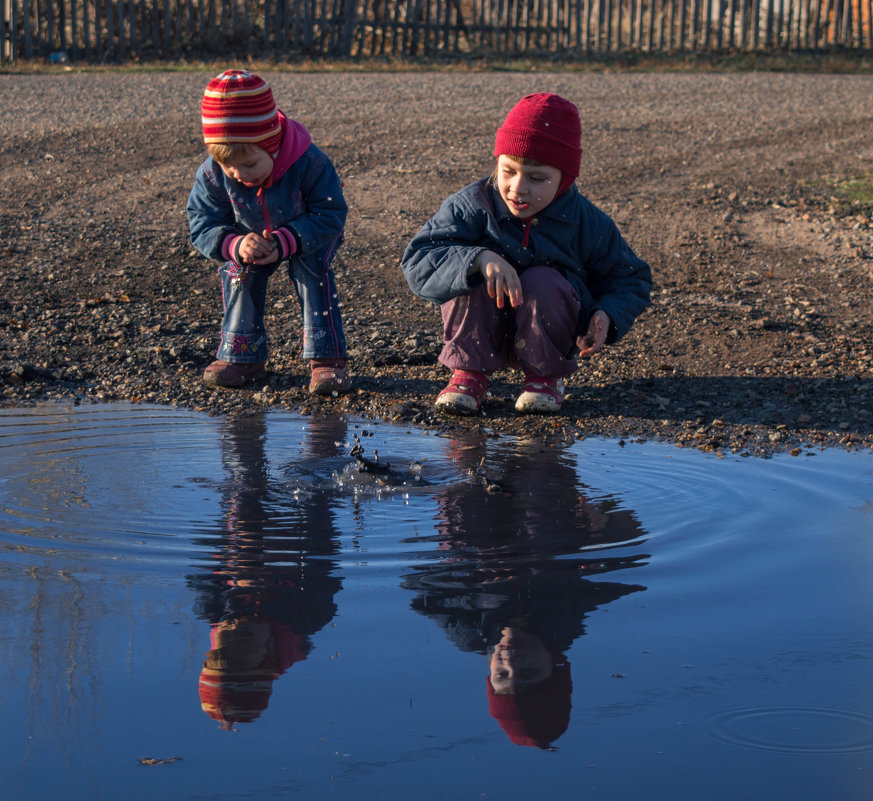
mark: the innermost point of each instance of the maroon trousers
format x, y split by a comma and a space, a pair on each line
539, 336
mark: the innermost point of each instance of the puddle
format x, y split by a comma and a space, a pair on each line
199, 607
799, 730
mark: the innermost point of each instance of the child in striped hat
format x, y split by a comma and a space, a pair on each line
265, 195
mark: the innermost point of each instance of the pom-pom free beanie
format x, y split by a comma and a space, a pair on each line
544, 127
538, 715
238, 107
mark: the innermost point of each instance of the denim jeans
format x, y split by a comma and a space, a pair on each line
244, 295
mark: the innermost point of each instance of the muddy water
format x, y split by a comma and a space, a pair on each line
200, 607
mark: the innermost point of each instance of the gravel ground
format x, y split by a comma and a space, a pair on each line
759, 339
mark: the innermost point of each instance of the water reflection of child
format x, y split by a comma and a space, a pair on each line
529, 688
248, 654
525, 269
500, 589
523, 616
265, 596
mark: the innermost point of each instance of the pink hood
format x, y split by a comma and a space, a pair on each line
295, 140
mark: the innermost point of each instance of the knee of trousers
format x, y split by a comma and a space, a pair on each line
545, 283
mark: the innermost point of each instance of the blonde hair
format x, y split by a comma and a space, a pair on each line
225, 152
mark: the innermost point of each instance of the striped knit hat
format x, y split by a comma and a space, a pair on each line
238, 108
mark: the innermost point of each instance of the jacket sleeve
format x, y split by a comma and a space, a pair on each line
210, 213
436, 260
326, 208
618, 279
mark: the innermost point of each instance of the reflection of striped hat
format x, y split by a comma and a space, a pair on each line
238, 107
235, 697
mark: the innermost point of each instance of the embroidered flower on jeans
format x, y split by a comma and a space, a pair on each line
239, 273
241, 344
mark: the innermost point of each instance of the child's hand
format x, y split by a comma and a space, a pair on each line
501, 278
258, 249
595, 336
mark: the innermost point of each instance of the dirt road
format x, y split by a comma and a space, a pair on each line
760, 335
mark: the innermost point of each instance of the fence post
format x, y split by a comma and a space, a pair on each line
618, 21
870, 24
637, 40
670, 24
44, 30
661, 26
755, 23
28, 35
680, 31
6, 31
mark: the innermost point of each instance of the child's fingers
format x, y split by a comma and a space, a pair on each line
496, 289
499, 289
595, 336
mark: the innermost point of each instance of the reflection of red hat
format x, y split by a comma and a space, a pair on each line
538, 715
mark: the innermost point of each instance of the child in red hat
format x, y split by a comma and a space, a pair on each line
266, 195
527, 272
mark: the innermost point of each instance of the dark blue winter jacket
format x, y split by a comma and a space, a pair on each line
305, 203
571, 234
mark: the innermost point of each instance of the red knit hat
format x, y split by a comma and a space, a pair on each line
238, 107
544, 127
537, 716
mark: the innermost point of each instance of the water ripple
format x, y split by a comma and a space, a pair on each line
799, 730
104, 481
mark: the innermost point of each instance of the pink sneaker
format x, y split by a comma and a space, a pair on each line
464, 394
540, 395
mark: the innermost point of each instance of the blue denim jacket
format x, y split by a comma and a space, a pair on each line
571, 234
307, 201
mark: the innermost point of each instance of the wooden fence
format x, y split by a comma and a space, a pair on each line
119, 30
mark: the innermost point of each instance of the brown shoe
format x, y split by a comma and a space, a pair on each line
232, 374
329, 377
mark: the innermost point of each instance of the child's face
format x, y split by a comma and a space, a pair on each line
244, 641
518, 659
527, 190
251, 168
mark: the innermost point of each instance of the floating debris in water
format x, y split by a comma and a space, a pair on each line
155, 761
383, 474
489, 484
366, 465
